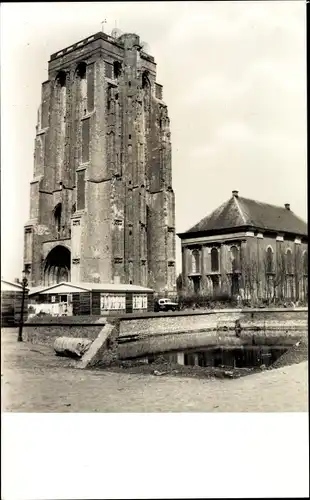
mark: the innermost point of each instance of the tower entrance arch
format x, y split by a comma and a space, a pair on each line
57, 265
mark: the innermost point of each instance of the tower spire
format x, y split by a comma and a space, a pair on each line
102, 25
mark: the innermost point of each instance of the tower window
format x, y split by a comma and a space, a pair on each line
57, 217
109, 96
61, 79
145, 80
108, 70
85, 140
129, 84
80, 188
117, 69
81, 70
90, 86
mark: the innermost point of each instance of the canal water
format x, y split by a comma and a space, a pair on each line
246, 357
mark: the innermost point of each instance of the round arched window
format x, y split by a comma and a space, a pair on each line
195, 261
214, 260
269, 260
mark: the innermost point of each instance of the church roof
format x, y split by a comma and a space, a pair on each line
239, 212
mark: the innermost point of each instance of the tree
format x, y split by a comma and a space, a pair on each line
280, 275
250, 274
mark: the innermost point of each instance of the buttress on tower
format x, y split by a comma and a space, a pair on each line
102, 205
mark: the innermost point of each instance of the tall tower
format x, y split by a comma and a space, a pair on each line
102, 203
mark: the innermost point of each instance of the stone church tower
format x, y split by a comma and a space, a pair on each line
102, 203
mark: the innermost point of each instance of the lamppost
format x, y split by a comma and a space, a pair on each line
21, 321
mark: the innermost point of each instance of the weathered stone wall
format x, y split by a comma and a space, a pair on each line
103, 153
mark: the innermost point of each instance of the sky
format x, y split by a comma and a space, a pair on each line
234, 80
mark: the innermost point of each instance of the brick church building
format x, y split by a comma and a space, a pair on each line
102, 203
247, 248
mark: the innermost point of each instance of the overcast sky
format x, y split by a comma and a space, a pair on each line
234, 77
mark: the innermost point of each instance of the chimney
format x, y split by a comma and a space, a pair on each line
287, 206
235, 194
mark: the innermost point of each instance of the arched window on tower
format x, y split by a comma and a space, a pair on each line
195, 261
82, 86
269, 260
61, 79
215, 260
81, 70
145, 80
57, 218
289, 261
117, 69
109, 96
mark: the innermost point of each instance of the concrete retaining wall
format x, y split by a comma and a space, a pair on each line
46, 330
217, 319
155, 333
224, 328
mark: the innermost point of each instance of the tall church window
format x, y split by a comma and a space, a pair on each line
289, 261
305, 263
305, 274
235, 262
269, 260
215, 260
195, 261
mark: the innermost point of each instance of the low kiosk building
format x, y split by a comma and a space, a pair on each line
90, 299
11, 303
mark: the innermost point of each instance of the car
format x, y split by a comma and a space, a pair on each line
165, 305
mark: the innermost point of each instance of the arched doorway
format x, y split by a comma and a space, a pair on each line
57, 266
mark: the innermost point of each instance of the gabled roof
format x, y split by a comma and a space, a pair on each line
10, 286
68, 287
240, 212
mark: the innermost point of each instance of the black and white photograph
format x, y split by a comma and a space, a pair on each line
154, 241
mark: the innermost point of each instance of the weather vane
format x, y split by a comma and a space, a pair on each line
102, 25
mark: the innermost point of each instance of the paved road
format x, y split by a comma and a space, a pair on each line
35, 380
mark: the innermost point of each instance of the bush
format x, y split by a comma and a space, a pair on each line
218, 301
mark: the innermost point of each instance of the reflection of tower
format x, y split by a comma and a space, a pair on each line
102, 204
